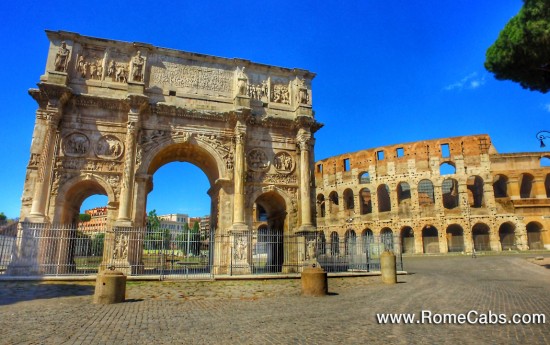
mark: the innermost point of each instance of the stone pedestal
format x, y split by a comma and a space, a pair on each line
110, 287
388, 268
314, 281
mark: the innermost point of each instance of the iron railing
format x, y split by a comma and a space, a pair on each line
52, 250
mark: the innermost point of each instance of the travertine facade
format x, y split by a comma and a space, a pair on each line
111, 113
442, 195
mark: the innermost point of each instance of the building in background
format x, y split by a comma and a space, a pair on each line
174, 222
97, 223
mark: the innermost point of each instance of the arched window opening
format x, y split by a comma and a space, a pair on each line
349, 203
367, 238
366, 201
526, 189
455, 238
475, 191
545, 162
384, 202
350, 242
507, 234
334, 244
364, 178
261, 214
403, 193
547, 185
386, 238
407, 239
481, 237
426, 193
500, 186
333, 197
534, 236
449, 189
430, 239
447, 169
321, 205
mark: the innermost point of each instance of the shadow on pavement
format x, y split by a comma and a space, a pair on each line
14, 292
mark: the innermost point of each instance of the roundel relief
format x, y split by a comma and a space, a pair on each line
109, 147
283, 163
76, 145
257, 160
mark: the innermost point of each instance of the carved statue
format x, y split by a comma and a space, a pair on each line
242, 81
62, 58
137, 67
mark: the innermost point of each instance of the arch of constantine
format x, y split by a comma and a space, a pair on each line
111, 113
436, 196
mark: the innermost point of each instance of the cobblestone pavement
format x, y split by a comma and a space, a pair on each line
273, 312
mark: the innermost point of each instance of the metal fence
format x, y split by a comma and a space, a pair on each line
42, 249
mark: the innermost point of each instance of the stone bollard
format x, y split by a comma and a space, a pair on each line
110, 287
388, 267
314, 281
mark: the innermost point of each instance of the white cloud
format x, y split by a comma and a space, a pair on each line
469, 82
546, 107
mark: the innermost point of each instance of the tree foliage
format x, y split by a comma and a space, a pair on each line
2, 217
522, 51
153, 221
84, 217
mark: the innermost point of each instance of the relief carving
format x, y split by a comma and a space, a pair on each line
87, 165
118, 71
89, 67
62, 58
76, 145
259, 91
109, 147
280, 179
60, 178
257, 160
150, 137
280, 94
184, 73
121, 247
114, 182
34, 160
283, 162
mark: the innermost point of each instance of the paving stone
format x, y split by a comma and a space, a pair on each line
273, 312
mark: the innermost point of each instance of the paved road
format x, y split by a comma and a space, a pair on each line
273, 312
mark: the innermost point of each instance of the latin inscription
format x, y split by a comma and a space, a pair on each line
188, 74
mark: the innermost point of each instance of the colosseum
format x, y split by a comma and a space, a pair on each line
436, 196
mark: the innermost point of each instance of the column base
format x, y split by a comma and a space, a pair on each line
238, 227
124, 223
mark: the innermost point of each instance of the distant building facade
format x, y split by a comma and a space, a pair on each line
436, 196
97, 222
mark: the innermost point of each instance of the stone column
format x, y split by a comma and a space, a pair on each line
304, 139
539, 188
38, 211
126, 194
239, 172
513, 188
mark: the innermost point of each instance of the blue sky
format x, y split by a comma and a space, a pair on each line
388, 72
